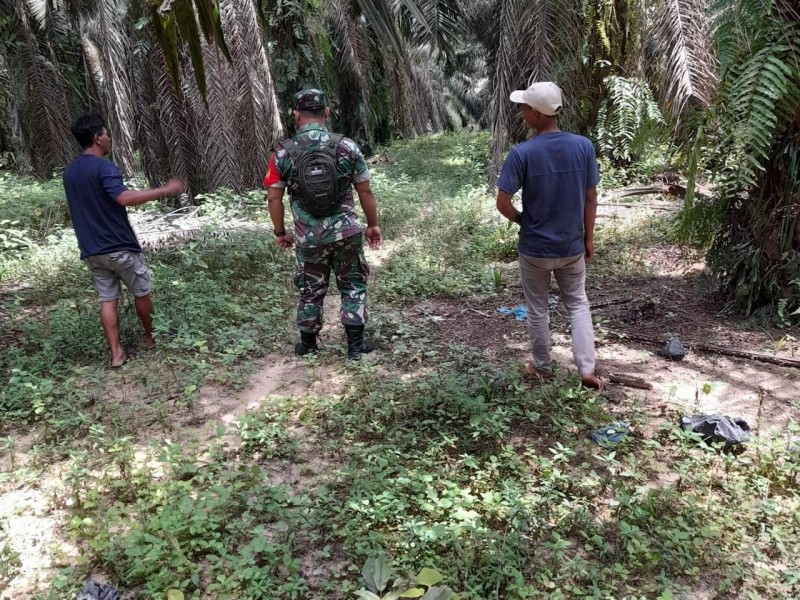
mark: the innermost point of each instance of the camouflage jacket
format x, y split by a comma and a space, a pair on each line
310, 231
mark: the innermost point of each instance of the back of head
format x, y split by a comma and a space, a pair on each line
86, 127
542, 96
311, 106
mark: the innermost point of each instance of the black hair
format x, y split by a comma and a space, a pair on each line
313, 114
86, 127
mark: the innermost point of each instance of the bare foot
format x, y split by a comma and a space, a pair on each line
593, 381
534, 372
149, 343
118, 361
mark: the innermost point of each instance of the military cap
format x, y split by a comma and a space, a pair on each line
309, 99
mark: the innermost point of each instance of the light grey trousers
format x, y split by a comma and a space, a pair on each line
570, 274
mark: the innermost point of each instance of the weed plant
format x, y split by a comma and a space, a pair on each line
429, 455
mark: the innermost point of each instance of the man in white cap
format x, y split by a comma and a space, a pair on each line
557, 172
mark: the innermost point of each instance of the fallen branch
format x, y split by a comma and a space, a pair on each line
709, 349
630, 381
611, 303
673, 189
483, 314
643, 205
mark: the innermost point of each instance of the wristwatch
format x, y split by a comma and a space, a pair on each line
280, 233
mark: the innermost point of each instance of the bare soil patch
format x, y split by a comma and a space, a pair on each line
664, 304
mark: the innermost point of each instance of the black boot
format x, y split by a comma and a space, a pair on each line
357, 344
307, 345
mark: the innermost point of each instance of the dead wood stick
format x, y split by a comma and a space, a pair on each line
709, 349
483, 314
671, 189
634, 382
643, 205
611, 303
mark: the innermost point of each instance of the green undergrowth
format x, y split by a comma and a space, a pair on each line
461, 468
430, 455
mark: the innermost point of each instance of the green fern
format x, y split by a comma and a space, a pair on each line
626, 118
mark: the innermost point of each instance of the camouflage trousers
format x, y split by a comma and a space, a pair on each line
312, 272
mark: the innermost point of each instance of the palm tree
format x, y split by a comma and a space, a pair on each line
536, 42
37, 71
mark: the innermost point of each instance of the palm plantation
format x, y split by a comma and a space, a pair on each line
435, 455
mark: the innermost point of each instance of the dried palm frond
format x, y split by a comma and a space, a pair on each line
682, 65
12, 95
47, 106
266, 125
352, 64
537, 42
106, 47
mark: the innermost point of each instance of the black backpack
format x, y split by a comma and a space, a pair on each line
316, 183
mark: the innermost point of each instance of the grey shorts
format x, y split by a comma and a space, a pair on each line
108, 269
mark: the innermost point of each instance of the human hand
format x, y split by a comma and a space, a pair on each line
589, 251
373, 235
173, 187
285, 241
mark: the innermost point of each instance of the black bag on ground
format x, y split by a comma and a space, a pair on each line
673, 349
97, 591
717, 428
316, 182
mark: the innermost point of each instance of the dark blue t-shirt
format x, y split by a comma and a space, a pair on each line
554, 171
101, 225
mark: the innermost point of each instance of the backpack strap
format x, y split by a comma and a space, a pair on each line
291, 147
334, 139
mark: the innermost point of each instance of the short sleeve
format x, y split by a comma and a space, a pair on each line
358, 164
512, 174
111, 180
592, 170
273, 176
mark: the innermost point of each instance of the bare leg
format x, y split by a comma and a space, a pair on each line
110, 321
144, 308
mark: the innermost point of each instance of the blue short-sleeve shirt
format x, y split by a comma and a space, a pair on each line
92, 185
554, 170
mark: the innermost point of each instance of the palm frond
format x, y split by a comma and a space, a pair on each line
47, 106
13, 95
381, 18
257, 92
107, 40
436, 24
628, 113
352, 62
678, 51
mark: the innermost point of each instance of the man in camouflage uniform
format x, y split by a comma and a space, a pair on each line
325, 243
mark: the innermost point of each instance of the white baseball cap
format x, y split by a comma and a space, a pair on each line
544, 96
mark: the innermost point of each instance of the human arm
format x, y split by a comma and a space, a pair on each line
510, 180
138, 197
590, 201
275, 201
506, 207
370, 208
589, 216
276, 188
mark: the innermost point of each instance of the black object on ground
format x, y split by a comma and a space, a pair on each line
717, 428
97, 591
673, 349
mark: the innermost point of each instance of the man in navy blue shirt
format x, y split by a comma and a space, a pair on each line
97, 199
558, 175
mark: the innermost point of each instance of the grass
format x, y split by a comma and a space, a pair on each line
429, 454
